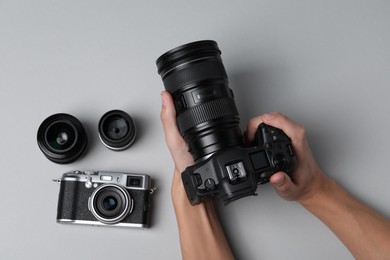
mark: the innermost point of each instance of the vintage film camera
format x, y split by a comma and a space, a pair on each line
104, 198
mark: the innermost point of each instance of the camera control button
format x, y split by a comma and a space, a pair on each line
279, 160
180, 103
264, 177
196, 179
88, 182
290, 150
209, 184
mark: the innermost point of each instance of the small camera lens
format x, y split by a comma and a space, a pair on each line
116, 130
62, 138
110, 203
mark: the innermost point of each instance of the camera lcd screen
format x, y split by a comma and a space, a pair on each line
134, 181
259, 160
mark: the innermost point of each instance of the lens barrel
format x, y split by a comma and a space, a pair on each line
117, 130
110, 203
206, 113
62, 138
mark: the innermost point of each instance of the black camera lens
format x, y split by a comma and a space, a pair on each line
206, 113
62, 138
110, 203
116, 130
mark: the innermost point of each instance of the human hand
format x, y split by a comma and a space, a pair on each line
307, 180
176, 145
199, 226
304, 183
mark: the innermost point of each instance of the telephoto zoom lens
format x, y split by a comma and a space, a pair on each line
62, 138
206, 113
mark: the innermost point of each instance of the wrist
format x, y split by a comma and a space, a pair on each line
178, 194
321, 190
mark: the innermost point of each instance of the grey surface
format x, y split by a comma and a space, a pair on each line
325, 64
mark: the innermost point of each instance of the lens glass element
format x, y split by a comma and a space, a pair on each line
61, 136
110, 203
116, 127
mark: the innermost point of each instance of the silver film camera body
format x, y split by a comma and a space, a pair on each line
104, 198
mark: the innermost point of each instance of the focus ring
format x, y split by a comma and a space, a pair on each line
208, 69
204, 112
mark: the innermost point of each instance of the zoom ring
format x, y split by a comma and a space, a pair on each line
208, 111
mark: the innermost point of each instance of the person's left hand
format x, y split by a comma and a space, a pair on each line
176, 144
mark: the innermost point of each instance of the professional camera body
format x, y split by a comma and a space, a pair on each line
208, 120
235, 172
104, 198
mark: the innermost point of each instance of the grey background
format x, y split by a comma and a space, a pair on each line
326, 64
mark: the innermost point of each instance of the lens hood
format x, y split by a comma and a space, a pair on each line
189, 51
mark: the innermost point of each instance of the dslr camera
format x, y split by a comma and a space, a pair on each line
104, 198
208, 120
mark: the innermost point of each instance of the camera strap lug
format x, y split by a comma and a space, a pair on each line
152, 190
57, 181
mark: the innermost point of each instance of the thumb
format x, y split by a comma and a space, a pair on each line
283, 185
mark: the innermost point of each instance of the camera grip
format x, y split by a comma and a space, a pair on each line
191, 181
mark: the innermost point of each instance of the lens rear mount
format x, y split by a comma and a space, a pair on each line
62, 138
117, 130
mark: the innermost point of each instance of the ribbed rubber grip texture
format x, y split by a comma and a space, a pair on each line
207, 111
207, 69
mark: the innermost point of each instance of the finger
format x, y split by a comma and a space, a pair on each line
176, 144
293, 130
168, 118
275, 119
252, 128
283, 185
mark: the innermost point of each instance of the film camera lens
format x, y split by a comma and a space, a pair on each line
206, 113
110, 203
62, 138
116, 130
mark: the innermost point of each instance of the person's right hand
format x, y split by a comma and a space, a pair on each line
307, 180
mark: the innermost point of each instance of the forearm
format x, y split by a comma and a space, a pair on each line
201, 235
364, 232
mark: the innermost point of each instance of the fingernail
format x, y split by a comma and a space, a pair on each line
269, 116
